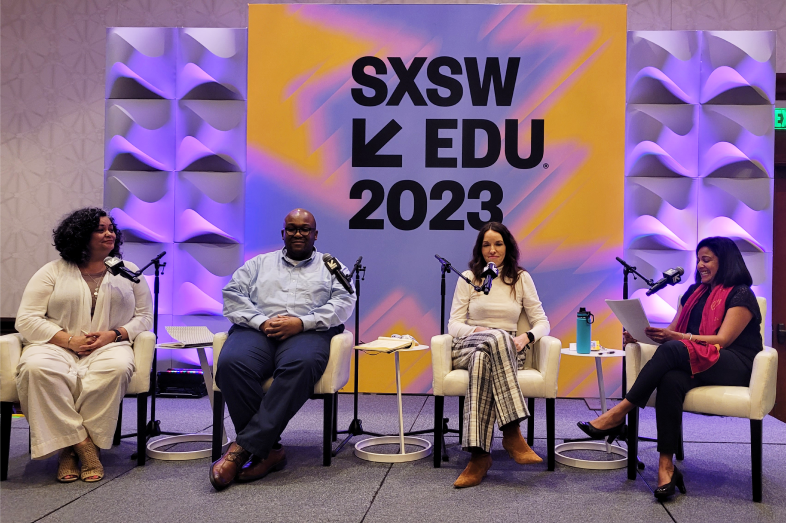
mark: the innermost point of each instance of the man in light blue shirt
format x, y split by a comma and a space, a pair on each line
285, 307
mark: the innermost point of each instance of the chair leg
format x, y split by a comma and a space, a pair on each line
681, 449
141, 429
756, 457
327, 430
531, 421
119, 428
218, 424
461, 418
551, 432
6, 408
335, 416
439, 412
633, 442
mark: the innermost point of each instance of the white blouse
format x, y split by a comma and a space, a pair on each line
57, 298
500, 309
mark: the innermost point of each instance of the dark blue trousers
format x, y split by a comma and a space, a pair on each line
248, 358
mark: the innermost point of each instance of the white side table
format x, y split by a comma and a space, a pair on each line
401, 439
619, 463
154, 445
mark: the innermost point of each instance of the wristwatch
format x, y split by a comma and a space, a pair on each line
531, 337
118, 335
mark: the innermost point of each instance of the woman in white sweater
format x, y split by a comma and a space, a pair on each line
485, 342
79, 321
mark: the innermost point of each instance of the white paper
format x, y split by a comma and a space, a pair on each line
631, 315
188, 336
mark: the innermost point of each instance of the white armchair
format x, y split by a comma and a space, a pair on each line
753, 402
336, 375
537, 380
11, 347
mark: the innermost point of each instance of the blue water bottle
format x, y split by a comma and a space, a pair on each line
584, 322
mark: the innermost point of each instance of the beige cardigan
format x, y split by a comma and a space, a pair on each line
57, 298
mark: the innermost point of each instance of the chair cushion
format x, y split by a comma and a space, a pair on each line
531, 382
720, 400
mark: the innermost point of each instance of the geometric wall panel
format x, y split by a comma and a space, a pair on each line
142, 204
203, 269
141, 254
140, 62
663, 67
740, 209
211, 135
209, 207
737, 141
738, 67
211, 64
139, 135
662, 140
699, 154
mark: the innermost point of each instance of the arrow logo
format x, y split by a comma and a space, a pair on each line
365, 154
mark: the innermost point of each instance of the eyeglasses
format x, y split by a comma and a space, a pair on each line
304, 231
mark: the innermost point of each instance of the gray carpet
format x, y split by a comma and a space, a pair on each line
716, 467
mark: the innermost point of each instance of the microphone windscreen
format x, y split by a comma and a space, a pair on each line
326, 256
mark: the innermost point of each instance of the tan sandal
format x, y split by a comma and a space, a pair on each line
92, 470
68, 466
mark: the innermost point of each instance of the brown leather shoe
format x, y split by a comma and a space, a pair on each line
517, 447
478, 466
259, 468
224, 470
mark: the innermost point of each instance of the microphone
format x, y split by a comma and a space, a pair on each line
335, 269
442, 260
670, 277
118, 268
490, 272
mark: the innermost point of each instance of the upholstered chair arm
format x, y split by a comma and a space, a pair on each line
547, 352
763, 379
336, 373
218, 342
441, 361
10, 353
144, 346
636, 356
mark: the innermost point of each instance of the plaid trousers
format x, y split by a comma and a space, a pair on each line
494, 392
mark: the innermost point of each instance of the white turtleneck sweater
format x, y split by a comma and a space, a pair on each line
500, 309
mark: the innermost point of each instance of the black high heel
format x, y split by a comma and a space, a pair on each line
666, 491
609, 434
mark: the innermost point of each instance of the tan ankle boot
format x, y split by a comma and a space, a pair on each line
475, 471
517, 447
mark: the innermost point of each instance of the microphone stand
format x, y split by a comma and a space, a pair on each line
154, 426
356, 426
446, 267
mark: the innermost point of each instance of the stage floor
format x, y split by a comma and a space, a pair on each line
716, 468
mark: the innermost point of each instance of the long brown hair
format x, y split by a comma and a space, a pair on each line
510, 265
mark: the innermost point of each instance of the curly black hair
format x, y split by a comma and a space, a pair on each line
72, 234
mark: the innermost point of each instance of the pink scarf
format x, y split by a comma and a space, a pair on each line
703, 355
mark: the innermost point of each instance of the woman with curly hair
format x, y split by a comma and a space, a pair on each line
485, 342
79, 322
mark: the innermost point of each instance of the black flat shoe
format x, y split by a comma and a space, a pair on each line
666, 491
611, 434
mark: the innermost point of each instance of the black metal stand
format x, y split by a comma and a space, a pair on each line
356, 426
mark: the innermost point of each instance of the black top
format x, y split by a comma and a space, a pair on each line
749, 342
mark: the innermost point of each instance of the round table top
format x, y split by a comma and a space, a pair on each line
602, 353
391, 351
203, 346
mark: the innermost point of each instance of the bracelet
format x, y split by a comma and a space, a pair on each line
683, 335
68, 345
691, 336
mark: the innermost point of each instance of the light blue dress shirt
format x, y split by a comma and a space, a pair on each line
272, 284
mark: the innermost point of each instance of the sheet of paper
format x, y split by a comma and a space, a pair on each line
189, 336
631, 315
386, 345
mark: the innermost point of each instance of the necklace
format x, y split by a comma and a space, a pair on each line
96, 283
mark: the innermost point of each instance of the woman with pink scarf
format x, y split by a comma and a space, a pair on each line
711, 341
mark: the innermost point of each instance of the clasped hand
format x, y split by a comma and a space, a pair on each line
84, 345
282, 327
520, 341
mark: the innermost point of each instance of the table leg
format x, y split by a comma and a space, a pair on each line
601, 392
400, 408
207, 375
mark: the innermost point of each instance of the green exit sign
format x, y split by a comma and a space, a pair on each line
780, 118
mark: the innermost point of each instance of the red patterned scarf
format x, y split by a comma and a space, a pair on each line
703, 355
